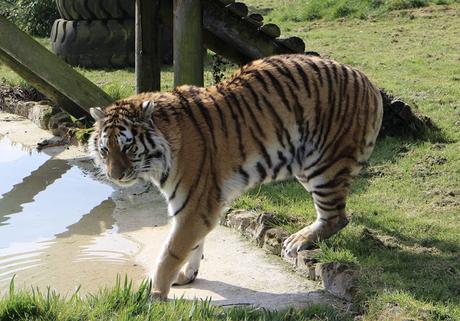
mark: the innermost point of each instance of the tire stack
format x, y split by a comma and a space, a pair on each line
99, 34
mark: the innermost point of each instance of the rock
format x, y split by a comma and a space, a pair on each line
399, 119
41, 114
250, 224
306, 262
52, 142
273, 240
241, 221
338, 279
263, 223
59, 124
21, 108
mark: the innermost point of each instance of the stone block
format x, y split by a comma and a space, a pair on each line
243, 221
338, 279
306, 263
40, 115
59, 123
273, 240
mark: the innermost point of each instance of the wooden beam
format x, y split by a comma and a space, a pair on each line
49, 74
188, 42
148, 72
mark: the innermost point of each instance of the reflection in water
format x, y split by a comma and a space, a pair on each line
24, 192
16, 163
50, 211
57, 224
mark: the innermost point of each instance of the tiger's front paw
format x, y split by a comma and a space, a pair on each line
186, 276
157, 295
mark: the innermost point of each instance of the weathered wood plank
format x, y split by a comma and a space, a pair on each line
148, 53
188, 43
49, 74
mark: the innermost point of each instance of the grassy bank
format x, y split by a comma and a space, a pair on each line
405, 207
122, 302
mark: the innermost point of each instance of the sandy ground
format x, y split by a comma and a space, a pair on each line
233, 272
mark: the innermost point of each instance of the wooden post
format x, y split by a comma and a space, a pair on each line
148, 72
47, 73
188, 42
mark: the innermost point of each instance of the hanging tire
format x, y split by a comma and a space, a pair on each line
95, 9
99, 43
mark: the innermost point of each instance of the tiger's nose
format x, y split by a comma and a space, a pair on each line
117, 175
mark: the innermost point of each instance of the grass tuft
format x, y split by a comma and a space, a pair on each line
331, 254
124, 302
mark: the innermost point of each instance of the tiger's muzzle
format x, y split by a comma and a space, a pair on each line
119, 167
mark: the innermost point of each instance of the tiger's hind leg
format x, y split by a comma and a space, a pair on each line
189, 271
329, 200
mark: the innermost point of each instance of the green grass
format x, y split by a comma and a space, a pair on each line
123, 302
309, 10
405, 206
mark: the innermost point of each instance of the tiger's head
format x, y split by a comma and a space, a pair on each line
126, 144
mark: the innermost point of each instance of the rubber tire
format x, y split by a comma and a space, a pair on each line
94, 44
95, 9
100, 43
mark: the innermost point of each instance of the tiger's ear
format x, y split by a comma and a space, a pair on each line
148, 107
97, 113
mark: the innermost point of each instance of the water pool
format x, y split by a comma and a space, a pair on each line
60, 226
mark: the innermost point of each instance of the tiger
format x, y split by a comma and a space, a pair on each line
280, 117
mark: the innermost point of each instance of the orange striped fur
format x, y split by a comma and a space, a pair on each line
278, 117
